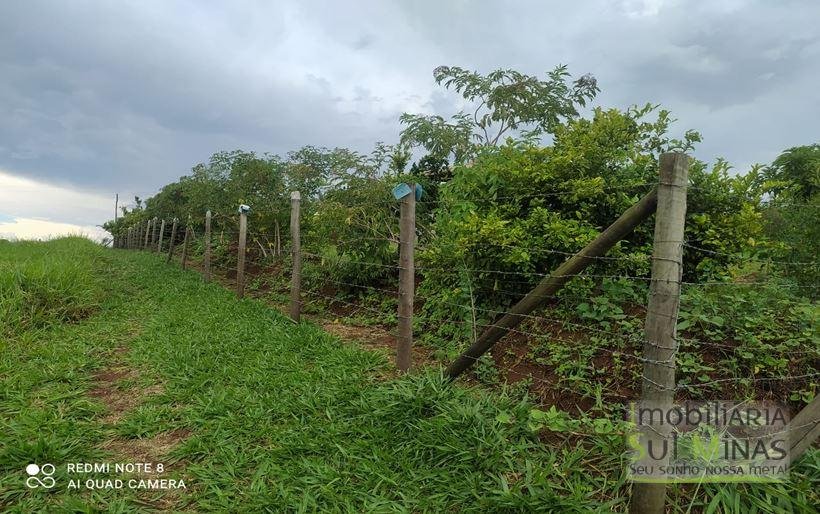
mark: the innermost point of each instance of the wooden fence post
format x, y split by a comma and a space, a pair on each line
660, 343
296, 257
131, 238
278, 247
206, 259
240, 258
171, 242
154, 229
161, 235
407, 273
804, 429
185, 242
147, 234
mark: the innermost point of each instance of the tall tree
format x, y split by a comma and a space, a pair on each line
504, 101
794, 174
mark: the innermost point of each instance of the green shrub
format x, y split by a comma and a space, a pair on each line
518, 211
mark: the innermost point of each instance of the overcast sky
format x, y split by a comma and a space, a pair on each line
105, 97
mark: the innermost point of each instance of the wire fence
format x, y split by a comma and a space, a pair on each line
268, 260
580, 347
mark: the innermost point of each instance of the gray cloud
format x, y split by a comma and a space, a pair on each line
128, 96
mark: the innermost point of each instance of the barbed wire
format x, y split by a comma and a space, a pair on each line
563, 322
680, 386
539, 195
580, 327
628, 339
476, 270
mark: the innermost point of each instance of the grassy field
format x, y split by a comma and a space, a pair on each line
117, 357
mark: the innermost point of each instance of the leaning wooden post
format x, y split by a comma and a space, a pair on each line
296, 257
206, 259
553, 283
660, 346
147, 234
804, 429
240, 258
161, 235
407, 236
185, 242
171, 242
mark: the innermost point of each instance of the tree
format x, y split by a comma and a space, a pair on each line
793, 181
435, 169
312, 170
795, 174
505, 101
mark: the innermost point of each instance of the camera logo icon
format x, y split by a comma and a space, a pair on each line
40, 476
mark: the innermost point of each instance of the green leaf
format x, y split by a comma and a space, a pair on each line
504, 417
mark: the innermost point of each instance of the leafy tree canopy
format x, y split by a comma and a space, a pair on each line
795, 174
505, 101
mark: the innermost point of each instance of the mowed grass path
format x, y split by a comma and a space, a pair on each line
256, 413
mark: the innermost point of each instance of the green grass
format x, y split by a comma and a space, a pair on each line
273, 416
279, 417
42, 284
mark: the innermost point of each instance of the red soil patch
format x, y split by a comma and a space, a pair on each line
120, 399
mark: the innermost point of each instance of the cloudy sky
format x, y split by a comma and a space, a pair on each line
98, 98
